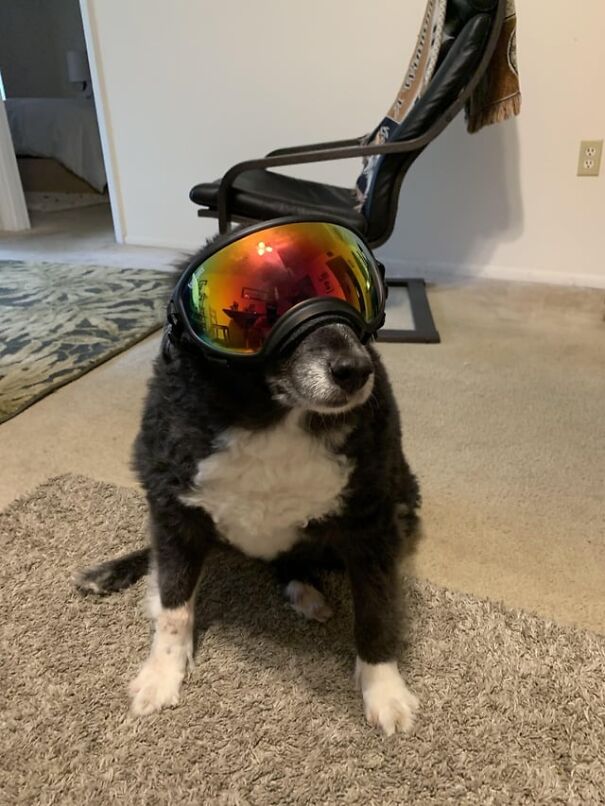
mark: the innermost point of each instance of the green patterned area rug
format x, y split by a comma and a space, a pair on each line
59, 320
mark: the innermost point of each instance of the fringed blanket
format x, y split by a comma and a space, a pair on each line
498, 96
415, 82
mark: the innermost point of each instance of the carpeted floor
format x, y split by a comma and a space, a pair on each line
51, 202
512, 707
59, 320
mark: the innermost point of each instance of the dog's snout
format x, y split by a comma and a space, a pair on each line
350, 372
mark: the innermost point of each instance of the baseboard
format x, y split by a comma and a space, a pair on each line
446, 271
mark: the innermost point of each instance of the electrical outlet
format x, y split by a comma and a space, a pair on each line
591, 152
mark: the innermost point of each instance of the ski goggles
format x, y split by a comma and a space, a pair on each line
248, 296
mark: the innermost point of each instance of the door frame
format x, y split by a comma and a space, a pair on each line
95, 63
13, 210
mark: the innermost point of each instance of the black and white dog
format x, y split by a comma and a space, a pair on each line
298, 463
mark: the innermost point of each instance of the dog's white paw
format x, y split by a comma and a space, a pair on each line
389, 704
308, 601
157, 685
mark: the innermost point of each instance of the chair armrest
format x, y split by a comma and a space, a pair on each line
320, 154
278, 152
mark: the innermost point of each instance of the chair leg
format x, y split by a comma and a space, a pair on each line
424, 330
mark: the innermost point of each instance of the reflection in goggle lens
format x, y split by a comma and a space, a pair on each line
235, 297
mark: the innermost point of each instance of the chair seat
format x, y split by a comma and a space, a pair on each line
262, 194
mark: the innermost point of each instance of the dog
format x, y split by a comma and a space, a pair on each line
298, 463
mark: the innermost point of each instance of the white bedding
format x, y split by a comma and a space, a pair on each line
64, 129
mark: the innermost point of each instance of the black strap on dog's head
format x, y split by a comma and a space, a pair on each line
173, 332
167, 347
294, 338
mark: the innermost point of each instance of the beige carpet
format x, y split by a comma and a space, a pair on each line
512, 707
504, 424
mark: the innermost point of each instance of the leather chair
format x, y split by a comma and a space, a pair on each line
250, 191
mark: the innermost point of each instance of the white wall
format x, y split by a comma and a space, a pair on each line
192, 86
35, 36
506, 202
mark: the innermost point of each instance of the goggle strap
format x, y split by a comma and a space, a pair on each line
305, 328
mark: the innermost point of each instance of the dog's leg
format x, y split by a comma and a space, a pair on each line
181, 540
388, 703
113, 575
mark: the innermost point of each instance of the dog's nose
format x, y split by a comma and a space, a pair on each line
351, 372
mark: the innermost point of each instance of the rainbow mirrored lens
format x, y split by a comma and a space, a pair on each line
235, 297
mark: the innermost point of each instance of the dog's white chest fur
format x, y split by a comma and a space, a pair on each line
260, 488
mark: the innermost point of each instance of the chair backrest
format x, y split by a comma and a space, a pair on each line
467, 31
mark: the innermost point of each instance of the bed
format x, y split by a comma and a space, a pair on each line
63, 129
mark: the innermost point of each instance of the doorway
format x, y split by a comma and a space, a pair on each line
53, 124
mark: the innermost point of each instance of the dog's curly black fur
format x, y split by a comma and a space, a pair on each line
193, 401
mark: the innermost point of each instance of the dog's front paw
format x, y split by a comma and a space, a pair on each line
389, 704
157, 685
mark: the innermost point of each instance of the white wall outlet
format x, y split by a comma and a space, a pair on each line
591, 152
